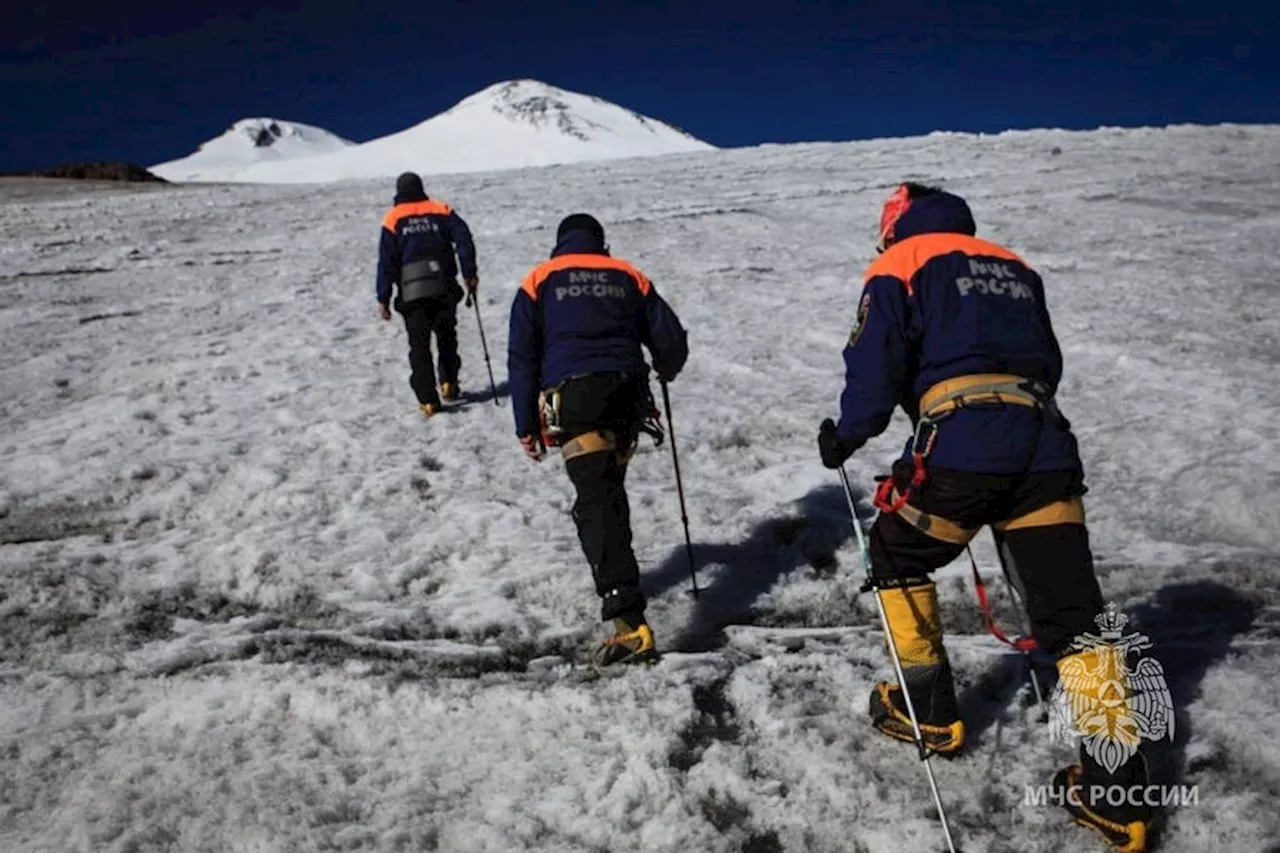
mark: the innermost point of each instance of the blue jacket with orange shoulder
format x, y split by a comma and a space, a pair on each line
584, 312
939, 304
420, 228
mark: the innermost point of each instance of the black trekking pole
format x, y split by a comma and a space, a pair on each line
1019, 600
684, 515
872, 586
475, 300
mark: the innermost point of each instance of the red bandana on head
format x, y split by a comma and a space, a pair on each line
894, 207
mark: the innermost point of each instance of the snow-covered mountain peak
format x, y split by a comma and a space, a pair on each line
509, 125
250, 141
524, 99
510, 92
531, 102
544, 106
266, 132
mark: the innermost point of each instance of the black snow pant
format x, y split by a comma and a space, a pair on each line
1039, 530
422, 319
600, 417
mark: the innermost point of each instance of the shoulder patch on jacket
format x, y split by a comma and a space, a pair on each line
903, 260
860, 322
533, 281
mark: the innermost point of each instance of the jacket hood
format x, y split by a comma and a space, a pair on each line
937, 213
410, 197
580, 243
409, 188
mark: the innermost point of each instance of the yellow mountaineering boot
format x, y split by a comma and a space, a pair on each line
632, 643
1128, 834
448, 391
428, 409
889, 716
1098, 695
913, 617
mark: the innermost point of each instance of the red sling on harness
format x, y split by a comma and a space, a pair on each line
1022, 644
922, 445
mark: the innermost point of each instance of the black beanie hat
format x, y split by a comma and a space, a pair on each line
580, 222
409, 184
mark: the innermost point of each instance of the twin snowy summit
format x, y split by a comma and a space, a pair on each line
510, 125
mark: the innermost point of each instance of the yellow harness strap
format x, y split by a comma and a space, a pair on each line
1069, 511
951, 394
596, 441
934, 526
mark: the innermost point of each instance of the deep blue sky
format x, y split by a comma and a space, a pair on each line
146, 82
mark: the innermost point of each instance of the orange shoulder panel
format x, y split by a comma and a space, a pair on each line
414, 208
903, 260
534, 279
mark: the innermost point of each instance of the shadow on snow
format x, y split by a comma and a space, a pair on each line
808, 533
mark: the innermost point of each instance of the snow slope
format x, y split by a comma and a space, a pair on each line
510, 125
250, 600
248, 142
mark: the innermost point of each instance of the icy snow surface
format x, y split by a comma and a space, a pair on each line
509, 125
251, 601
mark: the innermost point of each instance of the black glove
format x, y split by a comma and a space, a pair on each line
831, 447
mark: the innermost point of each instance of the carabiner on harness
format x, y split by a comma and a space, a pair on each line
549, 416
921, 446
